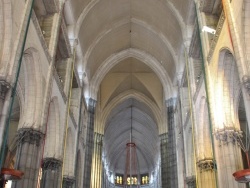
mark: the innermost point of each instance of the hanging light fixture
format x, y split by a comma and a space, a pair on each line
243, 176
131, 177
8, 174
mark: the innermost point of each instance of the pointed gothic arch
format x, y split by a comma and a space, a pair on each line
227, 88
33, 86
144, 57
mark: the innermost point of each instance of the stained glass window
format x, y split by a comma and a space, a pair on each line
144, 179
132, 180
119, 179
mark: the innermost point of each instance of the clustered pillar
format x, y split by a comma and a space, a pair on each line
68, 182
89, 144
206, 172
28, 157
52, 173
172, 177
4, 88
164, 159
228, 154
191, 181
97, 162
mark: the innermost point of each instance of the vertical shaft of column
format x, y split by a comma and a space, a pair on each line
93, 166
14, 70
52, 169
99, 161
89, 144
230, 152
4, 88
236, 38
206, 171
103, 177
96, 173
4, 101
240, 57
172, 177
28, 157
164, 159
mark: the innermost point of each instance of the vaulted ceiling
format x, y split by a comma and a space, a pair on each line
129, 54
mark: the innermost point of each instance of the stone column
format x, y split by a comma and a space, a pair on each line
68, 182
4, 104
240, 55
52, 176
172, 177
228, 157
191, 182
28, 157
103, 177
96, 173
89, 144
206, 173
4, 87
164, 159
246, 83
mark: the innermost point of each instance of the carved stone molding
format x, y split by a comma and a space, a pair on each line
41, 37
91, 105
206, 164
4, 87
228, 135
216, 36
51, 164
164, 137
191, 181
68, 181
64, 44
99, 139
52, 6
195, 48
171, 104
27, 135
246, 83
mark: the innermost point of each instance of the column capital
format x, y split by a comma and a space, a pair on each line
190, 180
30, 136
206, 164
91, 105
98, 138
171, 102
164, 137
51, 164
4, 87
228, 135
68, 181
